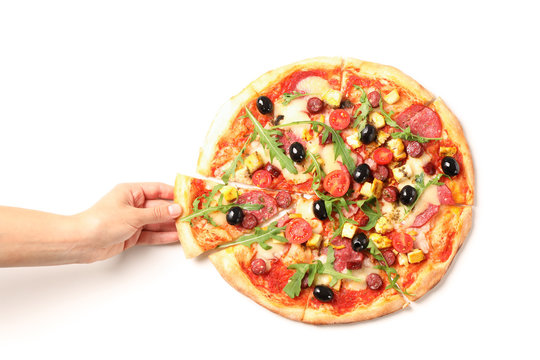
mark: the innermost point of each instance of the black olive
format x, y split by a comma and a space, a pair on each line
359, 242
450, 166
235, 215
278, 119
368, 134
346, 104
361, 173
407, 195
265, 105
297, 152
320, 210
323, 293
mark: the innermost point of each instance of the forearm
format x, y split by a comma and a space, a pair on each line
30, 238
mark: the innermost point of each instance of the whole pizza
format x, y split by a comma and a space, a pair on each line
343, 191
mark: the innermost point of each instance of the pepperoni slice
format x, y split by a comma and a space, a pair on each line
381, 173
424, 217
389, 256
390, 194
374, 281
414, 149
422, 120
445, 195
402, 242
262, 178
269, 209
283, 199
339, 119
404, 118
383, 156
298, 231
345, 256
258, 266
274, 171
337, 183
249, 221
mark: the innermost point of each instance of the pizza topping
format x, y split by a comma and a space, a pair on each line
359, 242
297, 152
258, 267
288, 97
389, 256
429, 168
368, 134
374, 98
374, 281
382, 156
262, 178
339, 119
414, 149
249, 222
337, 183
390, 194
278, 119
408, 195
283, 199
415, 256
229, 193
381, 173
450, 166
345, 256
402, 242
259, 236
445, 195
425, 216
274, 171
319, 210
323, 293
314, 105
235, 215
420, 187
427, 127
265, 105
361, 173
298, 231
269, 208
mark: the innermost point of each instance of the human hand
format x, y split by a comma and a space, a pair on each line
131, 214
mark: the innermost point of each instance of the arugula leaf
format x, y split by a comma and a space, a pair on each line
340, 149
288, 97
267, 139
362, 112
316, 169
372, 214
230, 171
391, 273
420, 187
259, 236
405, 134
206, 211
294, 286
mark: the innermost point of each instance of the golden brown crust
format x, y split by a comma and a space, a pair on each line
462, 187
182, 196
227, 264
458, 218
393, 74
380, 307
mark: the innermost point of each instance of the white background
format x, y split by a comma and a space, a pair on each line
93, 93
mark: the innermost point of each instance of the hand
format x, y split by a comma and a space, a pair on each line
131, 214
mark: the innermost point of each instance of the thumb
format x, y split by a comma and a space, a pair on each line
158, 214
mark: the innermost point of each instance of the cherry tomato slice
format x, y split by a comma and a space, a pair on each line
262, 178
298, 231
339, 119
383, 156
402, 242
337, 183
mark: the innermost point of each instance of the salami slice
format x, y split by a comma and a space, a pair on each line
404, 118
445, 195
288, 138
422, 120
345, 256
425, 216
258, 197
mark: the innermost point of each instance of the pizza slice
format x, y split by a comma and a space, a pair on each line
216, 214
268, 135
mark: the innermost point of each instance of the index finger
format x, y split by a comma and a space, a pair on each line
157, 190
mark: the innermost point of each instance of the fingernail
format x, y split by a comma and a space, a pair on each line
174, 210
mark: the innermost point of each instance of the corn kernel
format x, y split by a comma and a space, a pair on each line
332, 97
383, 225
307, 134
392, 97
377, 119
381, 241
293, 216
415, 256
382, 137
229, 193
377, 187
253, 162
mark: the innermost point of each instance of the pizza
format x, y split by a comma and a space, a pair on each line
343, 191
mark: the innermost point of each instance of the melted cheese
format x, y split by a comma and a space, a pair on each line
313, 85
219, 217
362, 273
305, 208
275, 252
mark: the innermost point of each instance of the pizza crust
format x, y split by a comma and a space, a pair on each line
452, 126
391, 73
432, 272
226, 263
182, 197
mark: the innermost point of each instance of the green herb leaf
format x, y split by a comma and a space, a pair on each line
230, 171
288, 97
206, 211
391, 273
360, 116
259, 236
316, 169
372, 214
421, 187
268, 140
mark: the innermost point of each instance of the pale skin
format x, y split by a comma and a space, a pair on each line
129, 215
